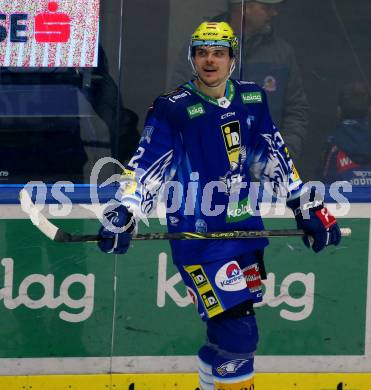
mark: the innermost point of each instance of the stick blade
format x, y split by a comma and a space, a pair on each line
346, 231
37, 219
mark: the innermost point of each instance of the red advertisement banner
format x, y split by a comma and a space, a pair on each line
45, 33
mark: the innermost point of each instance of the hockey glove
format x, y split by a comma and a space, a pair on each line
118, 223
320, 227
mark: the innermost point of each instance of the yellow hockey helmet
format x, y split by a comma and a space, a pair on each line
214, 34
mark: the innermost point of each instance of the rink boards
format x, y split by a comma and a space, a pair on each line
185, 381
68, 309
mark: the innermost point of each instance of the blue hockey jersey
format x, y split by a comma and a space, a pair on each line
201, 153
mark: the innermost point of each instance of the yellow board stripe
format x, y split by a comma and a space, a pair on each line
286, 381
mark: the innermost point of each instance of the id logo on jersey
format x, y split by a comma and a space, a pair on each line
205, 290
198, 277
210, 300
232, 140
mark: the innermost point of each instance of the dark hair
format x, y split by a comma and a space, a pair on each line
354, 100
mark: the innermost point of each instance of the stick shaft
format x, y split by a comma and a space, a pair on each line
236, 234
59, 235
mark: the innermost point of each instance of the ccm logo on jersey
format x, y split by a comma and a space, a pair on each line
227, 115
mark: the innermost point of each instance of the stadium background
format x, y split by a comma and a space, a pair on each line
317, 319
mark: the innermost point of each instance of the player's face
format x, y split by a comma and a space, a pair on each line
212, 64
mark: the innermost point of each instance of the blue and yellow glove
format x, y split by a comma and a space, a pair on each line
115, 232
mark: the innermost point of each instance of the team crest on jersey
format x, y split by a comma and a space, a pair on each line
232, 140
233, 179
223, 102
231, 366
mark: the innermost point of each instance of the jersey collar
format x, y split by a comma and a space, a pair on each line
223, 102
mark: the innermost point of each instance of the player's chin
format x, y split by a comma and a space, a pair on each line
210, 75
211, 81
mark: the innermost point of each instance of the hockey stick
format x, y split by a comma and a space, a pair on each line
59, 235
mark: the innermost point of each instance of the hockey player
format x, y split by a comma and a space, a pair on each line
204, 140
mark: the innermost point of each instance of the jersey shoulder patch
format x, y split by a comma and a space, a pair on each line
249, 92
165, 104
241, 82
247, 86
176, 95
